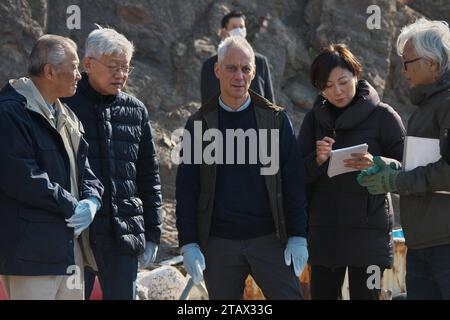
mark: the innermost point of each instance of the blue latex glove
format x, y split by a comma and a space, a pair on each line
84, 214
194, 261
149, 255
297, 252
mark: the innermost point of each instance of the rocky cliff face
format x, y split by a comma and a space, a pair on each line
174, 37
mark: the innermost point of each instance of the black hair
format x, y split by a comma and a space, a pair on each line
232, 14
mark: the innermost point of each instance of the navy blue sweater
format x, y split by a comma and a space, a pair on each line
241, 205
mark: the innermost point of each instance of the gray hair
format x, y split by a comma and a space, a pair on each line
106, 41
49, 49
431, 39
235, 42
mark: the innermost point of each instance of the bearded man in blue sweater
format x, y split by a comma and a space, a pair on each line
241, 208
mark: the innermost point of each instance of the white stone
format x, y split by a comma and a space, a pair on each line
164, 283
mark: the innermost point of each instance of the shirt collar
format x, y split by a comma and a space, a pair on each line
51, 108
241, 108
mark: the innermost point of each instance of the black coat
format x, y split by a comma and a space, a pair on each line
34, 196
123, 156
262, 84
347, 225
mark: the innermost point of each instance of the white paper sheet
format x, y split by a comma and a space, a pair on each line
336, 164
419, 152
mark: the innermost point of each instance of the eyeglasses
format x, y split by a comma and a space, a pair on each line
405, 63
116, 69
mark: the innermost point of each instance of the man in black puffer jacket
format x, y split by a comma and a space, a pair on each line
123, 156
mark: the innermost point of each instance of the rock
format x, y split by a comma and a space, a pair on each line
164, 283
345, 21
272, 41
18, 34
300, 95
168, 142
167, 283
436, 9
141, 292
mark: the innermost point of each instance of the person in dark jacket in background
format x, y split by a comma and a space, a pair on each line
123, 156
48, 194
348, 227
242, 217
425, 190
233, 23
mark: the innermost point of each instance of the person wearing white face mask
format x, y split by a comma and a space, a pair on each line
233, 24
238, 32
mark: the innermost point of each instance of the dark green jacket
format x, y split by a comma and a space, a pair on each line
425, 215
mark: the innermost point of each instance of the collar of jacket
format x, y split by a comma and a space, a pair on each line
90, 92
257, 100
421, 93
207, 110
364, 103
36, 103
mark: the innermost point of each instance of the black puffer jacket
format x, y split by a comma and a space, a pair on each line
347, 225
123, 156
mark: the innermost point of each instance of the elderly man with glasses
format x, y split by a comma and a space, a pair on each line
424, 191
123, 156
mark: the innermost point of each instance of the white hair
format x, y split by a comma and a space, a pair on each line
235, 42
49, 49
431, 40
106, 41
